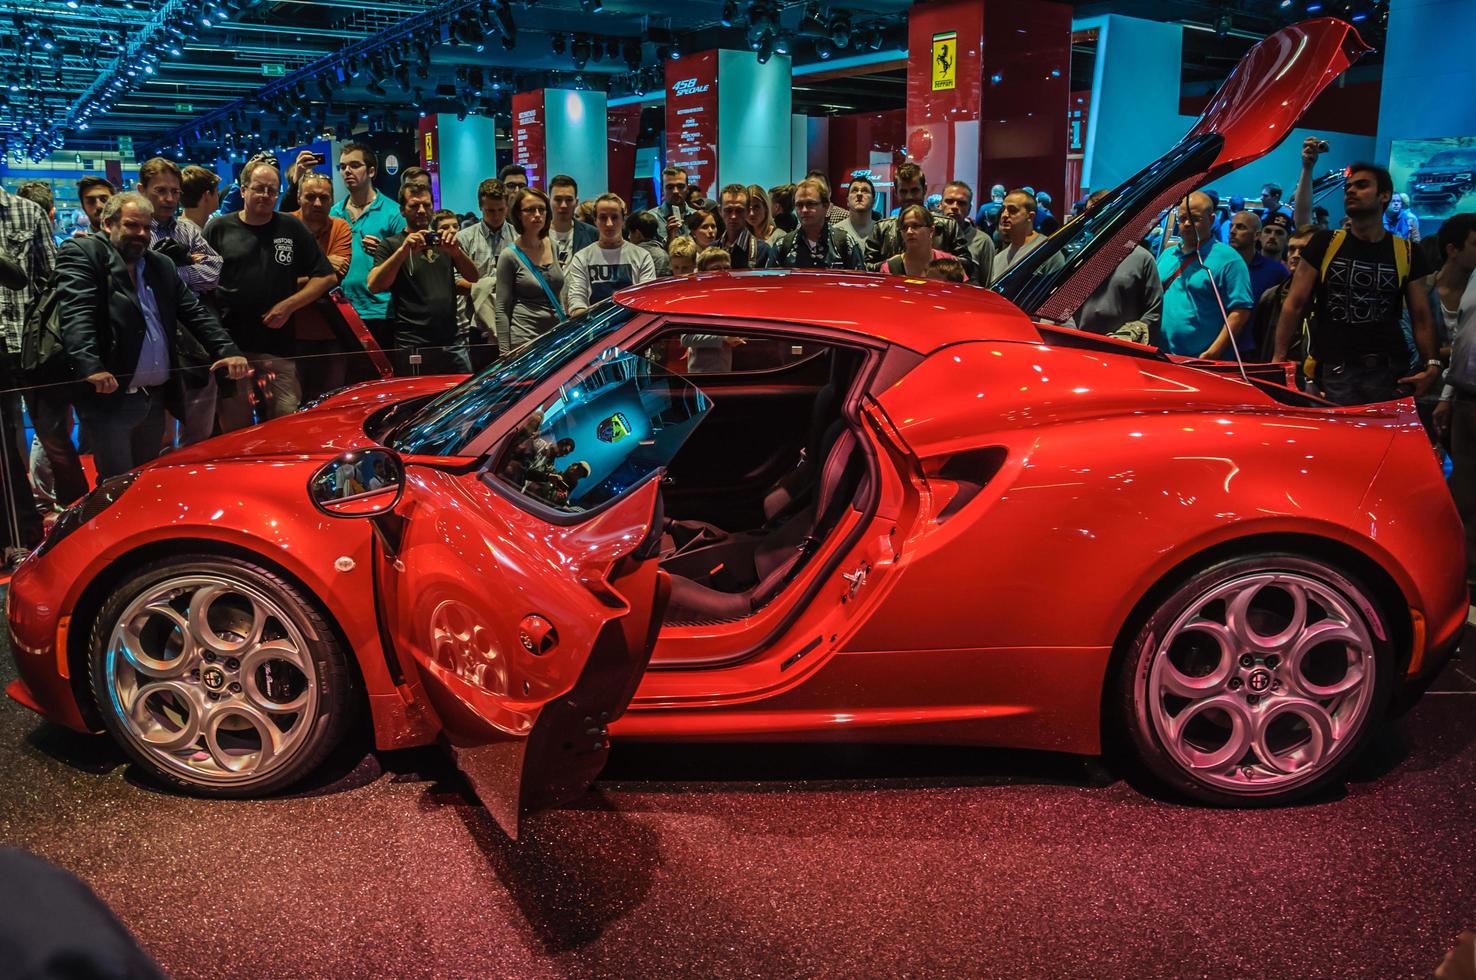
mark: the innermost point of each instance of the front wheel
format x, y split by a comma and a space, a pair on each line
1256, 681
218, 676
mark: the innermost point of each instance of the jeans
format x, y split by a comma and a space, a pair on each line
322, 366
126, 428
1371, 379
51, 416
433, 360
198, 423
277, 375
20, 522
1463, 471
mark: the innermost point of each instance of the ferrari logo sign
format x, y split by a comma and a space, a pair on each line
945, 60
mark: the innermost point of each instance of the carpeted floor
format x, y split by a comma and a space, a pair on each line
771, 861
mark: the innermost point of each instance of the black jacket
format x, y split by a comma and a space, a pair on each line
886, 241
102, 320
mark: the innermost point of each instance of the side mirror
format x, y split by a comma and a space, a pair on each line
359, 483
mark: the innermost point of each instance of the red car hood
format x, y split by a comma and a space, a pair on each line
333, 426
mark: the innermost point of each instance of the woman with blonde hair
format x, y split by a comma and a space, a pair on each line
760, 218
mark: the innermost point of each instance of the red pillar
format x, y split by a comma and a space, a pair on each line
987, 93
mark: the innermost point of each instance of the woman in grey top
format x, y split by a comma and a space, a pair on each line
523, 308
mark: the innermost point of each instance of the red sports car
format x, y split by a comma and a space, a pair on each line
781, 506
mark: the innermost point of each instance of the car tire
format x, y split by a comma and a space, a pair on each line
1254, 682
219, 677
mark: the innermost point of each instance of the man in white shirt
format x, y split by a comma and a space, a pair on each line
1017, 225
611, 263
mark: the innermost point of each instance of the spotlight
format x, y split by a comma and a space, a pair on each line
765, 48
781, 44
1223, 23
630, 51
580, 51
874, 40
676, 49
840, 29
591, 6
730, 13
824, 48
556, 42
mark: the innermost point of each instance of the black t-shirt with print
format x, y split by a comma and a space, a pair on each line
1359, 301
260, 266
423, 296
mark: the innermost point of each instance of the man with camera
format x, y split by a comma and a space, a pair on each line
419, 269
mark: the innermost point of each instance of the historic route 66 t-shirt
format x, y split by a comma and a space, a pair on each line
260, 266
596, 273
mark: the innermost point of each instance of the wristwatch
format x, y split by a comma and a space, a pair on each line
1433, 362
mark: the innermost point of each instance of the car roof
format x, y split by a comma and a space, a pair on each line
923, 315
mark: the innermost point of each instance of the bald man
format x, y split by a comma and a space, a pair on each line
1246, 235
1206, 287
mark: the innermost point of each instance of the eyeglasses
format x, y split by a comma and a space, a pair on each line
263, 189
351, 165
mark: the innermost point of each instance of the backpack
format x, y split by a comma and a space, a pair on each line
43, 351
840, 240
43, 354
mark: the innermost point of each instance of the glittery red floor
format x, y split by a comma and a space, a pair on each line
712, 861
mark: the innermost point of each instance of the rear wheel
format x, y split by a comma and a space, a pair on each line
218, 676
1256, 681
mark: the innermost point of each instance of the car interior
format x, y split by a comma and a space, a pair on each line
761, 463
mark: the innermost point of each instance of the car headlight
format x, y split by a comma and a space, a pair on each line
84, 510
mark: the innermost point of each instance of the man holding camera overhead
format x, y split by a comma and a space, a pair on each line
419, 269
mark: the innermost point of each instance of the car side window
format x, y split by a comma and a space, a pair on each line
608, 427
697, 352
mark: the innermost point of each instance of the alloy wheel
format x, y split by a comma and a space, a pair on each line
211, 679
1262, 682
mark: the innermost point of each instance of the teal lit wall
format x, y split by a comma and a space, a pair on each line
577, 138
467, 149
1429, 86
753, 119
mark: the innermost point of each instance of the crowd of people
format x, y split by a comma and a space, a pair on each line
176, 321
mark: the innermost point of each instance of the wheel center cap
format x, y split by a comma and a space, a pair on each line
1259, 680
213, 678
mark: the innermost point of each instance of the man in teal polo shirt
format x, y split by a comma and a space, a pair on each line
372, 218
1198, 277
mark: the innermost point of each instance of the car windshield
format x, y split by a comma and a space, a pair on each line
447, 424
1119, 217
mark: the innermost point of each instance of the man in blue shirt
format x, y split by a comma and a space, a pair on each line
372, 218
1206, 287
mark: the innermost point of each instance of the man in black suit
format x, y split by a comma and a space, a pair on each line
119, 305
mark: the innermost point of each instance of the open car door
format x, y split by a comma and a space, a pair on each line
1249, 116
526, 593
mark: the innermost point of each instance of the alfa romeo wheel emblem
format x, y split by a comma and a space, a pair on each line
1259, 681
213, 677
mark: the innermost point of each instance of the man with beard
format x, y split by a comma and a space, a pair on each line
911, 187
1356, 282
94, 192
119, 303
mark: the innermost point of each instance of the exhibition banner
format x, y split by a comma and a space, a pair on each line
530, 146
692, 118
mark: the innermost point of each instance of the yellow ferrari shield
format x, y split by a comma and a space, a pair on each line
945, 60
